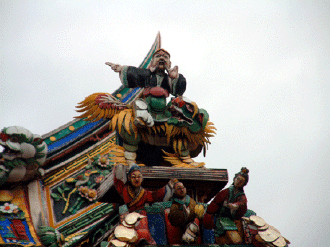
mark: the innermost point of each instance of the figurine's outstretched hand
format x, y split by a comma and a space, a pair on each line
120, 172
173, 73
172, 182
115, 67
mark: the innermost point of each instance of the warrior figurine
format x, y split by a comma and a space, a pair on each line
158, 81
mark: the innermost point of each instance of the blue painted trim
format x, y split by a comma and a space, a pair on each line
69, 138
131, 94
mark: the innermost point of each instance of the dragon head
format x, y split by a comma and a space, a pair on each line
186, 113
22, 156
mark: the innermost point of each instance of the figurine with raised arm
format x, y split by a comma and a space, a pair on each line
226, 210
158, 81
180, 128
135, 196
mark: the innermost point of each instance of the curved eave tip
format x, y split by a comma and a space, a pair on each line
159, 39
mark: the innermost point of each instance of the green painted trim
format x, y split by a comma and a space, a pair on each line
86, 219
123, 92
156, 45
96, 232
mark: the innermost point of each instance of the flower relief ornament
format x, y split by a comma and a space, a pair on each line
89, 194
9, 208
99, 179
103, 160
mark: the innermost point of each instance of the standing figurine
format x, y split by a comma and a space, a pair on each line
225, 211
158, 80
135, 197
133, 194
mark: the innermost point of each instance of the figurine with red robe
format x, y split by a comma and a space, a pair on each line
135, 196
225, 211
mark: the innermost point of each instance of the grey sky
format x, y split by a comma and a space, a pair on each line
260, 68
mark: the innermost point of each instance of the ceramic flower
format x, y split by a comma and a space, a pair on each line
9, 208
99, 179
89, 194
83, 190
92, 194
103, 161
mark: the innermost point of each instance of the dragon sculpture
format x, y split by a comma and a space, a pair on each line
183, 135
23, 155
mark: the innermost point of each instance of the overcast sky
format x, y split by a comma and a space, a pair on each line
260, 68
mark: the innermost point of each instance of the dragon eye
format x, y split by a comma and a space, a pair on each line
190, 107
14, 139
178, 102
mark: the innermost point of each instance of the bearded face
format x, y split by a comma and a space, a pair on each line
161, 61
